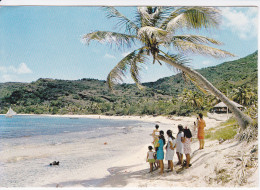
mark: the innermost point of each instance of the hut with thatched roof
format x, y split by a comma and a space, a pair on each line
222, 108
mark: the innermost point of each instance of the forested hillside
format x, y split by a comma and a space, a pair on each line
228, 75
170, 95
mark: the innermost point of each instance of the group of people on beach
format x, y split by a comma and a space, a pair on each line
182, 144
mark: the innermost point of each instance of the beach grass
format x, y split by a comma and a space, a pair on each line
225, 131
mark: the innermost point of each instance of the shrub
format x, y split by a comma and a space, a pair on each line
227, 130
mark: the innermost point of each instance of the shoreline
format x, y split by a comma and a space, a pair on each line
145, 118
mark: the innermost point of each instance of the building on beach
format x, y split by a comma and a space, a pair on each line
222, 108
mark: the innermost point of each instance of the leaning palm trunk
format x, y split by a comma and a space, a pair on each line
157, 27
243, 119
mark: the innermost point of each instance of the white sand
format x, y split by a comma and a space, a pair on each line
120, 162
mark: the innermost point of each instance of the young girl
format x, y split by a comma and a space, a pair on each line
150, 157
160, 153
186, 147
179, 144
171, 144
155, 136
195, 124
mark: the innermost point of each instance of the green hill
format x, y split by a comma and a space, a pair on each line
91, 96
226, 75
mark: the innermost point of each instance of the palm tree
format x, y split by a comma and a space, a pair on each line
239, 95
191, 98
244, 95
158, 28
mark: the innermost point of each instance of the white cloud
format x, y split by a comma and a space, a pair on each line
110, 56
11, 73
23, 69
241, 21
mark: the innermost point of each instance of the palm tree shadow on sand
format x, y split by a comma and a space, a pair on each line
120, 176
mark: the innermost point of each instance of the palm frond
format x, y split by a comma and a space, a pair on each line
118, 72
196, 39
118, 39
190, 47
170, 17
177, 58
152, 33
164, 14
123, 21
145, 19
192, 18
151, 16
135, 67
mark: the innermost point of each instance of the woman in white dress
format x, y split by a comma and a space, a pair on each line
179, 144
171, 144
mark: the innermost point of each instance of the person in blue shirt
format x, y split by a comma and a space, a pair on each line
160, 153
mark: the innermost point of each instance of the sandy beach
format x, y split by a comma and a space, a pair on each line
138, 64
121, 159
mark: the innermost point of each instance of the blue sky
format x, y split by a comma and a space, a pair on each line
45, 42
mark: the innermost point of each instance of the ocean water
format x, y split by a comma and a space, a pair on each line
28, 126
29, 143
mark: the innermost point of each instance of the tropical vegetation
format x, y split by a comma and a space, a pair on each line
158, 28
166, 96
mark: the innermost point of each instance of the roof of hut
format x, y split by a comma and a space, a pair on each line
222, 105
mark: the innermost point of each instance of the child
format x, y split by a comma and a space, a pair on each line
179, 144
150, 157
186, 147
171, 144
160, 153
155, 135
195, 124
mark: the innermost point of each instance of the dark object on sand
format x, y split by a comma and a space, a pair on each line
54, 163
221, 140
184, 164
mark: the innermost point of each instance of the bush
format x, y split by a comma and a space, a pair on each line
228, 130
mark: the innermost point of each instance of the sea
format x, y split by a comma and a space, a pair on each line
31, 125
29, 143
